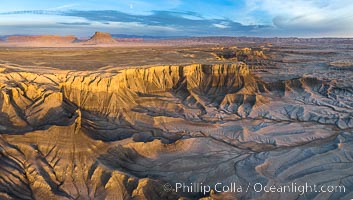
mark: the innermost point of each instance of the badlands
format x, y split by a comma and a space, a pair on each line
131, 121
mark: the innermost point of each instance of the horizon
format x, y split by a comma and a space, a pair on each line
179, 18
119, 35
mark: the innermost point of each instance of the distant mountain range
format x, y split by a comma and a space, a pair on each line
112, 39
96, 39
147, 36
118, 36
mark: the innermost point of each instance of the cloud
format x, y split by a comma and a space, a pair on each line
174, 22
212, 17
221, 25
250, 17
75, 23
190, 23
315, 16
64, 6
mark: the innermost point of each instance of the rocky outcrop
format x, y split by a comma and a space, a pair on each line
42, 39
101, 38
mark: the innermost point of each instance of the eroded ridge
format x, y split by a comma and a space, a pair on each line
124, 134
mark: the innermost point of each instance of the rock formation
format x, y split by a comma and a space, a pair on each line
101, 38
42, 39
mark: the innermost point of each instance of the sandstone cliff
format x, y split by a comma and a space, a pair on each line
42, 39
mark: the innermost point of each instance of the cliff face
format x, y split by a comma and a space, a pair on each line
42, 39
96, 39
98, 135
101, 38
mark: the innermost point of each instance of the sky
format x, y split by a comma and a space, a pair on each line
263, 18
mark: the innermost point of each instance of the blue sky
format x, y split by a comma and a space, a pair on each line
303, 18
